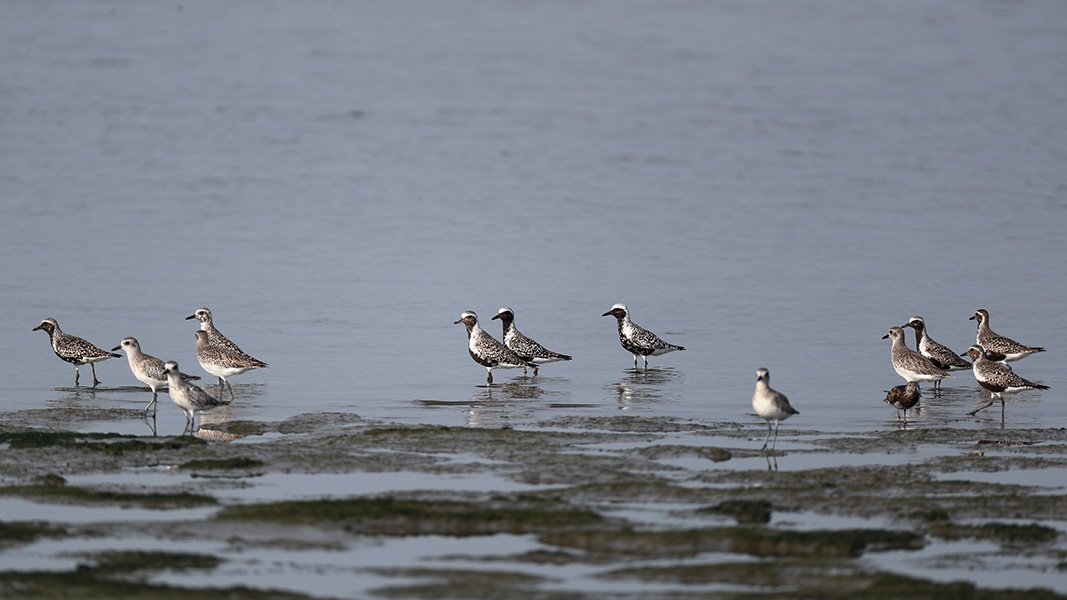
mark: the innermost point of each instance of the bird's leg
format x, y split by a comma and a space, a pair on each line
646, 362
489, 379
151, 405
231, 395
635, 363
535, 371
982, 407
775, 442
96, 381
768, 438
77, 375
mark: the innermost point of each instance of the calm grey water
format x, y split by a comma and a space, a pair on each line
768, 185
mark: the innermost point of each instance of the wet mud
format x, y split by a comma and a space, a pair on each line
654, 506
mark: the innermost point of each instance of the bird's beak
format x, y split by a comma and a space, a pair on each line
606, 314
457, 322
972, 317
116, 347
190, 317
496, 316
885, 336
36, 328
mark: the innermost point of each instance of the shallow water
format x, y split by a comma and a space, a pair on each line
766, 185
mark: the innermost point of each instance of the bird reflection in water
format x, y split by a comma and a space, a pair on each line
643, 387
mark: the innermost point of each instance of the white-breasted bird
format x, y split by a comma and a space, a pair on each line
770, 405
636, 339
74, 349
190, 398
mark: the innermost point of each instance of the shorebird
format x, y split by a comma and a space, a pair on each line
908, 363
220, 362
997, 347
770, 405
488, 352
939, 354
216, 338
997, 377
903, 397
636, 339
524, 347
74, 350
187, 396
148, 369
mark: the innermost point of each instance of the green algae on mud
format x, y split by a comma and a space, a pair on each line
1007, 534
394, 516
236, 463
16, 532
132, 561
63, 493
89, 584
456, 583
756, 541
814, 578
108, 443
745, 511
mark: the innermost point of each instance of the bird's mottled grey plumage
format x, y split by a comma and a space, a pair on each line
770, 405
486, 350
148, 369
997, 347
187, 396
74, 349
524, 347
216, 338
997, 377
942, 356
221, 362
903, 397
636, 339
908, 363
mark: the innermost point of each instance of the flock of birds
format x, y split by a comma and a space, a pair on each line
215, 353
519, 351
931, 361
219, 356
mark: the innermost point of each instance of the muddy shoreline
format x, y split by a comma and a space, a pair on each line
593, 507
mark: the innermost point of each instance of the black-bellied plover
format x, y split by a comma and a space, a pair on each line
148, 369
903, 397
74, 350
187, 396
997, 377
939, 354
486, 351
636, 339
524, 347
908, 363
216, 338
770, 405
997, 347
220, 362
